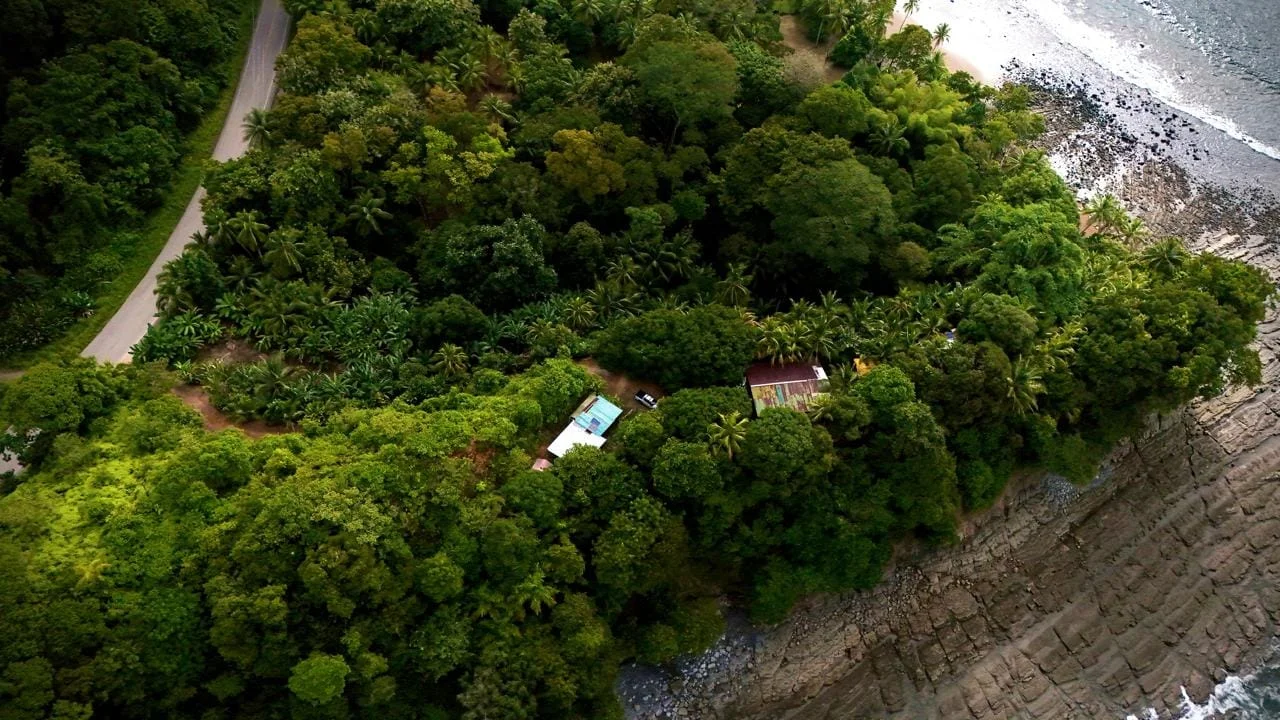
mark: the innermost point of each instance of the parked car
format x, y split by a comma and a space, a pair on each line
646, 400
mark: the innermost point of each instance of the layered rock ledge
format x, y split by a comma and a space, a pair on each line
1061, 602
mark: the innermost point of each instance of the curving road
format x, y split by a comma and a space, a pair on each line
256, 90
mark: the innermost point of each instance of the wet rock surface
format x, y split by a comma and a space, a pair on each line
1061, 601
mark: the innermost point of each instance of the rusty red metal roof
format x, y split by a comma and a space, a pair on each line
762, 373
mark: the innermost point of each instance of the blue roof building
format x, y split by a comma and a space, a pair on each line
596, 415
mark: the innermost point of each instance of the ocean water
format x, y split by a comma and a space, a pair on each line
1197, 79
1198, 83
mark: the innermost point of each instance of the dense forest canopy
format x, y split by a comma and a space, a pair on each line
452, 202
97, 96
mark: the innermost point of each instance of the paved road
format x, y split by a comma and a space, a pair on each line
256, 88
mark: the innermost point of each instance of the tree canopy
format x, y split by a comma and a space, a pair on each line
460, 219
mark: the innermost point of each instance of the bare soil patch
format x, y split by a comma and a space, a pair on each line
231, 352
214, 419
620, 386
808, 59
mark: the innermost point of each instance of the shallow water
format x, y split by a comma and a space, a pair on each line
1196, 81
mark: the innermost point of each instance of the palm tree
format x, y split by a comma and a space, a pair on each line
450, 360
1133, 231
542, 330
284, 253
470, 71
366, 211
367, 24
611, 299
579, 313
1105, 214
241, 272
727, 433
1056, 350
624, 271
497, 109
1166, 257
1025, 386
248, 232
271, 376
257, 128
941, 34
735, 289
909, 7
777, 340
935, 67
888, 139
534, 592
218, 228
587, 12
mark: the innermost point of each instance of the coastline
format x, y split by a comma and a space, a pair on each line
956, 59
1142, 595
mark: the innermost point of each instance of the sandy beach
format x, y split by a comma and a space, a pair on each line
954, 56
811, 57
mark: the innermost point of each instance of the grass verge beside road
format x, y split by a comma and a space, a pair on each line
157, 228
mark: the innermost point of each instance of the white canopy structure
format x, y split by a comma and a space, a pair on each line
572, 436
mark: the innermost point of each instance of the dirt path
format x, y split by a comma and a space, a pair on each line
621, 386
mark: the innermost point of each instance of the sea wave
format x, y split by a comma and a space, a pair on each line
1109, 52
1243, 697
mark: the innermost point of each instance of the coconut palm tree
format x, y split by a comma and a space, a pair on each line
612, 299
450, 360
726, 434
624, 271
241, 272
779, 340
257, 127
471, 72
367, 24
284, 253
587, 12
941, 34
1105, 214
248, 231
735, 289
1166, 257
579, 313
366, 212
888, 139
1025, 385
1133, 231
908, 8
497, 109
935, 67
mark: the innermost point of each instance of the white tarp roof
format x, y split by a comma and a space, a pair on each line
571, 436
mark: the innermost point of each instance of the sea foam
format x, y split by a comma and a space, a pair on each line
1107, 51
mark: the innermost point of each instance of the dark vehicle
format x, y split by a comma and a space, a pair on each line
646, 400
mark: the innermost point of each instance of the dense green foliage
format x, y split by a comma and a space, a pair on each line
97, 99
449, 203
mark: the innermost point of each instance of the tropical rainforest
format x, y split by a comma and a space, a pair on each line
98, 97
449, 208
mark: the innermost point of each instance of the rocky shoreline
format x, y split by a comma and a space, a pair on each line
1162, 577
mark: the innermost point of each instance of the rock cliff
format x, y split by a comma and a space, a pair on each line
1061, 602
